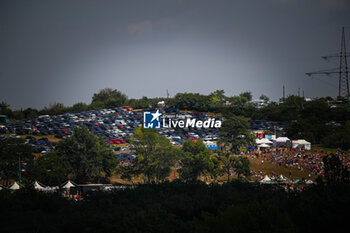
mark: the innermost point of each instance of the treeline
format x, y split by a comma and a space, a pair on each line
288, 109
109, 98
177, 207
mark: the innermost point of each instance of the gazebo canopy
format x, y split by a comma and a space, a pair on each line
68, 185
266, 179
282, 139
38, 186
263, 145
14, 186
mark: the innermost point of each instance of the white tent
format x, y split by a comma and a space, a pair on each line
302, 144
309, 182
266, 179
266, 141
281, 141
50, 188
68, 185
282, 177
37, 186
263, 145
14, 186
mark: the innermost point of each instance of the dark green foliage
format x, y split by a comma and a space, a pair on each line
195, 160
155, 156
235, 133
10, 151
312, 129
248, 95
338, 137
49, 169
178, 207
86, 156
192, 101
5, 109
240, 165
108, 98
334, 170
255, 217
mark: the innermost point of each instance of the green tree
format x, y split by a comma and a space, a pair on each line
10, 151
334, 170
195, 160
30, 113
264, 97
5, 109
155, 155
79, 107
192, 101
49, 169
214, 169
227, 161
108, 98
338, 137
235, 133
242, 166
55, 109
248, 95
86, 156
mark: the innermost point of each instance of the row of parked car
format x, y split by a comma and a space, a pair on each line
116, 126
277, 127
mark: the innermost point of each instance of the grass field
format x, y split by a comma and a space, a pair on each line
50, 137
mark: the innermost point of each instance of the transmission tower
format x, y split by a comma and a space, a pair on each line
342, 70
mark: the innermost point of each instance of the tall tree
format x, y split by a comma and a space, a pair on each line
248, 95
12, 151
109, 98
334, 170
227, 161
195, 160
155, 155
86, 156
49, 169
235, 133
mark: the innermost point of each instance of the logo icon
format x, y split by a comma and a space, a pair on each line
151, 120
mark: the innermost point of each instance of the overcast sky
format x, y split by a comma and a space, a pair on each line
64, 51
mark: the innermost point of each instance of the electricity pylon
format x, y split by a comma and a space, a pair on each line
342, 70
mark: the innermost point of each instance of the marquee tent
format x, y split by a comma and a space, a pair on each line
263, 145
263, 141
37, 186
281, 141
301, 144
266, 179
68, 185
14, 186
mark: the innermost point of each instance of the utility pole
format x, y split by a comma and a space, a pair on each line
19, 170
284, 93
298, 91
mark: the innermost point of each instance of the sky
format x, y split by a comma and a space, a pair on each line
65, 51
